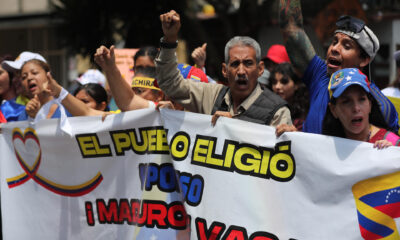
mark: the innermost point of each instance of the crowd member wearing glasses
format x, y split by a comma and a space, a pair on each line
354, 45
353, 111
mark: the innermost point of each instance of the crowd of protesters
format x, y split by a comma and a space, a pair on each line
291, 88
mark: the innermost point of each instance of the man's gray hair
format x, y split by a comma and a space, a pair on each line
242, 41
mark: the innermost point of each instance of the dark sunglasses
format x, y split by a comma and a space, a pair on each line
355, 25
350, 23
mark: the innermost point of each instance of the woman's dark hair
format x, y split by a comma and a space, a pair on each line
149, 51
333, 127
8, 57
300, 104
94, 90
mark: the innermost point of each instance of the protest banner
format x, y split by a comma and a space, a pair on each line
124, 62
171, 175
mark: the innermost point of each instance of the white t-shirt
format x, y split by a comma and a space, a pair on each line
391, 92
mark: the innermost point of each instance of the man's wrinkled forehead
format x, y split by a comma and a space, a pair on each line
242, 52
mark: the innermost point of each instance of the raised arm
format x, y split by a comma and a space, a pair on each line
74, 106
124, 96
297, 43
194, 96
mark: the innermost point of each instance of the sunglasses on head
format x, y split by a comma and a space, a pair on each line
352, 24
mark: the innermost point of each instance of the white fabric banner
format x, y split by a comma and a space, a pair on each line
146, 175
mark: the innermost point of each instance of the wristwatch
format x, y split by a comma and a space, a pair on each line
168, 45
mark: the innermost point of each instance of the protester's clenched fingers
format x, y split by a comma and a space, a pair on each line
35, 98
53, 87
112, 51
99, 50
282, 128
174, 15
163, 17
196, 53
105, 114
214, 119
103, 50
164, 104
380, 144
218, 114
169, 17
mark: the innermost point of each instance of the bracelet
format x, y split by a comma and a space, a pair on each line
63, 94
167, 44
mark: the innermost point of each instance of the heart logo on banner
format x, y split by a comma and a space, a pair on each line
28, 152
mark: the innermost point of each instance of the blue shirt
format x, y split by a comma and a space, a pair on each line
57, 114
316, 79
11, 110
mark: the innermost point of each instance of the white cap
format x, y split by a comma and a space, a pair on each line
20, 60
366, 39
92, 76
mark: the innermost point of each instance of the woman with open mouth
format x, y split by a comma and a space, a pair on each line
35, 76
353, 113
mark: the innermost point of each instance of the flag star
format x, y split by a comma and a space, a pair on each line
348, 78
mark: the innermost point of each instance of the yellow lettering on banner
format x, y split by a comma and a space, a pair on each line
152, 140
230, 151
100, 150
139, 147
86, 145
152, 137
210, 159
179, 146
162, 141
282, 166
121, 142
89, 145
247, 164
200, 150
245, 159
265, 162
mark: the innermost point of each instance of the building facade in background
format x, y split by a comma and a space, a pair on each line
27, 25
